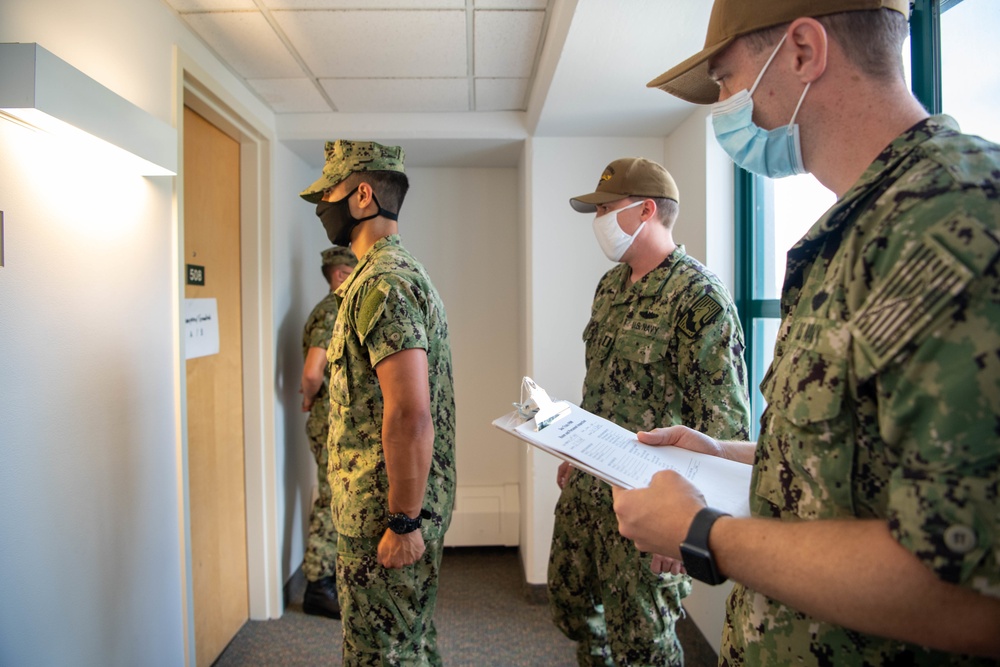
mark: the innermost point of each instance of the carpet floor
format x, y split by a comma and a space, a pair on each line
486, 617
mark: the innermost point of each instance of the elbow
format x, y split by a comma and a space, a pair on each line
412, 421
311, 379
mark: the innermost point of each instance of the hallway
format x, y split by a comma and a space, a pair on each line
484, 619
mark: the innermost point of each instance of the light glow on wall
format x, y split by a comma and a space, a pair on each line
81, 196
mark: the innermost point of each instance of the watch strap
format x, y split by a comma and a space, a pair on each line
401, 524
698, 560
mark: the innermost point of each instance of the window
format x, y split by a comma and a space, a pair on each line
948, 72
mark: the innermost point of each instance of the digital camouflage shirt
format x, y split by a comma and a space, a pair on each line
317, 333
388, 305
884, 394
667, 350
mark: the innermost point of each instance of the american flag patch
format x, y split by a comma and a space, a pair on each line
909, 301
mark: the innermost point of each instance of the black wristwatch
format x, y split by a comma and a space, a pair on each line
401, 524
697, 556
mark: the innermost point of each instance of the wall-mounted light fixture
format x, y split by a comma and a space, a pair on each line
41, 91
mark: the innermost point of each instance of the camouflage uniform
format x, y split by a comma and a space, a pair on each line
884, 394
667, 350
388, 305
321, 549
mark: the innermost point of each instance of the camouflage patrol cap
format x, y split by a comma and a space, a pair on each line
338, 255
628, 177
346, 157
733, 18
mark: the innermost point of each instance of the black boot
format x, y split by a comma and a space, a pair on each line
321, 598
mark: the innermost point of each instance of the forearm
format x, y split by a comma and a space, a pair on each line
408, 443
853, 573
313, 372
738, 451
310, 387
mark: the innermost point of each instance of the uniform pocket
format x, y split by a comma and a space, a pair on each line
807, 464
806, 384
641, 349
643, 370
339, 389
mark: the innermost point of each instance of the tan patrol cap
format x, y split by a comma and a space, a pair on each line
628, 177
346, 157
731, 19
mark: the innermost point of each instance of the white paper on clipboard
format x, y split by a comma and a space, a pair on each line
614, 454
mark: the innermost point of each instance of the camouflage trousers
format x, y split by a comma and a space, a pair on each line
388, 614
602, 593
321, 548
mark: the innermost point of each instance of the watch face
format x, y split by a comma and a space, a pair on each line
402, 524
698, 563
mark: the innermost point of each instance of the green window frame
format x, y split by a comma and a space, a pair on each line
749, 200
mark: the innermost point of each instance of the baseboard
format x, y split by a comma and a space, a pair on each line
292, 590
536, 593
485, 516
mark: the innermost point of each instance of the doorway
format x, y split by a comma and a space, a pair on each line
216, 480
201, 99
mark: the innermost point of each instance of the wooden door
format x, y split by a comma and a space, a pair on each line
215, 391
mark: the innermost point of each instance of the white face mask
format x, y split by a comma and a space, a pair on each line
613, 241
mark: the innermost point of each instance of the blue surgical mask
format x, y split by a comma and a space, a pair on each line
776, 153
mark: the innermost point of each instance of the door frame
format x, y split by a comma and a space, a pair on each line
195, 88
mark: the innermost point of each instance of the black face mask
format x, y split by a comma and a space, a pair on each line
338, 221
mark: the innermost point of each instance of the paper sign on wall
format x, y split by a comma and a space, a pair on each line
201, 327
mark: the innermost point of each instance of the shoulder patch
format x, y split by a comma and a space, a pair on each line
371, 308
920, 288
704, 311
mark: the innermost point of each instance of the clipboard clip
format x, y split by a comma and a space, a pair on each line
539, 406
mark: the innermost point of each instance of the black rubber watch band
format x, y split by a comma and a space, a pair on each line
697, 556
401, 524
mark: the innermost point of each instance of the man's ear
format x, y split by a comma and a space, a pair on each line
365, 195
648, 209
810, 43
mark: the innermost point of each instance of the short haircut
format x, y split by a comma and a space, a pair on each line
666, 209
328, 269
871, 39
390, 186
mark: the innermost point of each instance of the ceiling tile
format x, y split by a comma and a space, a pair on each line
398, 95
210, 5
373, 44
247, 43
511, 4
507, 42
290, 95
364, 4
501, 94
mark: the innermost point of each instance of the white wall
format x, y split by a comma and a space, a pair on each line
704, 175
462, 225
91, 532
297, 286
90, 519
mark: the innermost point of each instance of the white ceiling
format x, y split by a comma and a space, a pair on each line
456, 82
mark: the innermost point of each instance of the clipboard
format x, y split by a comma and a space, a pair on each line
614, 454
